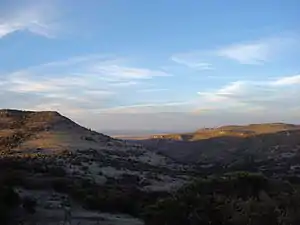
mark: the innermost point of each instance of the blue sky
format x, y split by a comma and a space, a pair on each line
163, 65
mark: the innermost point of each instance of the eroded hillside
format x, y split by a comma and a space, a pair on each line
46, 151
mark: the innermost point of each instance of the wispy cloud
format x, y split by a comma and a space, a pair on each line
291, 80
251, 98
259, 51
87, 70
32, 81
36, 17
158, 107
277, 95
195, 60
90, 82
241, 101
124, 84
77, 89
120, 72
255, 52
151, 90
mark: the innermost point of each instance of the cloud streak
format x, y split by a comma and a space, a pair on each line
280, 94
194, 60
291, 80
118, 72
256, 52
252, 53
38, 18
88, 82
151, 90
158, 107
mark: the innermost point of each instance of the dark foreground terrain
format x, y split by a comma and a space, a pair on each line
54, 171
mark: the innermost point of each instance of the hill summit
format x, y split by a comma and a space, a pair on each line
46, 130
48, 133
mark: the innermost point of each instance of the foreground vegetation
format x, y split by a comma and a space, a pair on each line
229, 199
234, 199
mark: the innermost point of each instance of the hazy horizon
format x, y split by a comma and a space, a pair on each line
175, 122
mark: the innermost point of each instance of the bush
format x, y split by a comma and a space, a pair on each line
57, 171
61, 185
29, 205
9, 200
234, 199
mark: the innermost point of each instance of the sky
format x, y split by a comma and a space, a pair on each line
134, 66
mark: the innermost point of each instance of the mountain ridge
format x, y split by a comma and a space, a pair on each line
228, 130
223, 142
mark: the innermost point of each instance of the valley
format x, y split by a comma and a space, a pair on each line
74, 174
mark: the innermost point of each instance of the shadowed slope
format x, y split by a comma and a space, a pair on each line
225, 143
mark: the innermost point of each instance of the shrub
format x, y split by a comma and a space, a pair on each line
9, 200
29, 205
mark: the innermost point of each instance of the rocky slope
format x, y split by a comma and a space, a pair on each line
49, 133
48, 152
